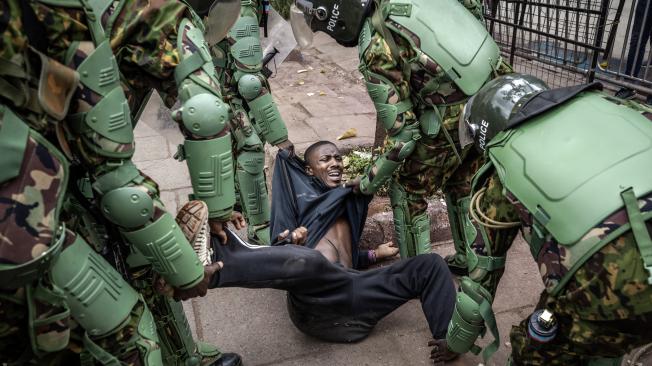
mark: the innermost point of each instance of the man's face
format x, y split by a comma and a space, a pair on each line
325, 163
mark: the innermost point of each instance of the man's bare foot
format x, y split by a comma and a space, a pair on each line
440, 352
386, 250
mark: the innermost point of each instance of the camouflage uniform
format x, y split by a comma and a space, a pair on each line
144, 39
437, 161
605, 310
238, 58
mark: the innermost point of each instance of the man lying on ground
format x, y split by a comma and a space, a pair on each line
309, 194
326, 300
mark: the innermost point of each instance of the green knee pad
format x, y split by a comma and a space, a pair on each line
412, 233
100, 299
164, 246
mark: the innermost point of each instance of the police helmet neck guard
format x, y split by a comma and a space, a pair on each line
488, 112
340, 19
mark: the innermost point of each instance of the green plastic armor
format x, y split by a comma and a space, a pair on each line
266, 119
616, 146
614, 142
472, 311
382, 169
110, 117
457, 212
413, 233
246, 62
167, 249
253, 193
438, 25
203, 114
100, 300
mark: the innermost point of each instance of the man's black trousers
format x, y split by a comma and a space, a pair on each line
330, 302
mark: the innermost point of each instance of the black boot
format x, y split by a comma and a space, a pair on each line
228, 359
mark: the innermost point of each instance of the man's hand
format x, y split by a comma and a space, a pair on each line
386, 250
217, 226
440, 352
354, 184
288, 146
201, 288
298, 236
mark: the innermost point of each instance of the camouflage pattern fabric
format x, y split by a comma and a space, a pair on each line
433, 164
28, 206
605, 310
143, 36
282, 7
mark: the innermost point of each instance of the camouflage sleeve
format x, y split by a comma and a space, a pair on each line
144, 39
387, 81
14, 41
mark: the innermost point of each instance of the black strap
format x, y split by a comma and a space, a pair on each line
547, 100
33, 28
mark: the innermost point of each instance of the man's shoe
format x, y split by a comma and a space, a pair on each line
228, 359
625, 93
193, 222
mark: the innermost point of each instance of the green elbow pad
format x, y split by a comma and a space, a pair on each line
100, 299
267, 119
164, 246
384, 170
210, 163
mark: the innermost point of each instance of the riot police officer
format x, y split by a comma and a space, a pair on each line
418, 75
570, 169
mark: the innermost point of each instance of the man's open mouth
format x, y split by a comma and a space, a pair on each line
335, 175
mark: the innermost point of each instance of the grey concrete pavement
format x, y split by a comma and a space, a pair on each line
320, 95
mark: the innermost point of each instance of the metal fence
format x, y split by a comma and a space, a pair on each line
567, 42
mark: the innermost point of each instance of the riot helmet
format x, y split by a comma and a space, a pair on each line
488, 112
340, 19
218, 17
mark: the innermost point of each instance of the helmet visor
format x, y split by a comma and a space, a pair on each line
301, 14
221, 17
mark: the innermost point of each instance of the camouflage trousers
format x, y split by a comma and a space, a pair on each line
605, 310
432, 165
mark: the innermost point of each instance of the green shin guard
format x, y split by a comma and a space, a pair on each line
267, 119
253, 195
164, 246
211, 173
456, 262
471, 318
177, 344
412, 233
